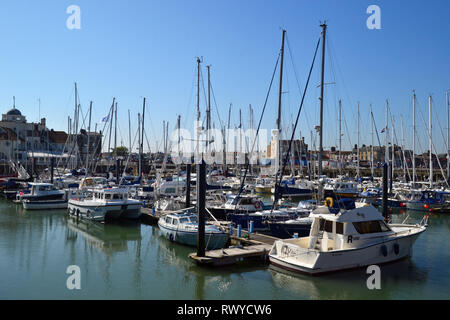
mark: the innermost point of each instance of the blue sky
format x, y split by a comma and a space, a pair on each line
131, 49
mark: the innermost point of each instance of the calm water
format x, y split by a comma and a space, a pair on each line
132, 261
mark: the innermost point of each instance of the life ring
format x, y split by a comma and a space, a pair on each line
396, 248
257, 205
384, 250
329, 202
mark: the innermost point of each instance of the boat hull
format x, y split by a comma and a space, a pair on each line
44, 205
212, 240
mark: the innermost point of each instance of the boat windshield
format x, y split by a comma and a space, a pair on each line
193, 219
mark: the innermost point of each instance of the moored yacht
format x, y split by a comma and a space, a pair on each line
107, 203
349, 239
183, 228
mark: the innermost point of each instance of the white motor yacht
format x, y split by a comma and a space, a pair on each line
107, 203
349, 239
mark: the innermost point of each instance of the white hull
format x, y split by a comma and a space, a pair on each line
314, 262
44, 205
101, 212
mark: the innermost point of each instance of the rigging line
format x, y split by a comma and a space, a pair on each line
128, 159
215, 104
241, 188
331, 50
442, 133
277, 193
308, 122
435, 150
346, 128
376, 130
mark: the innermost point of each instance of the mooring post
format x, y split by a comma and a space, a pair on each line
188, 185
385, 191
201, 203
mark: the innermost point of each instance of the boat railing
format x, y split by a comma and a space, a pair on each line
404, 221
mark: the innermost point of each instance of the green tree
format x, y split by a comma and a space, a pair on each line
121, 151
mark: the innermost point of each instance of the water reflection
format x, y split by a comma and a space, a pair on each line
108, 238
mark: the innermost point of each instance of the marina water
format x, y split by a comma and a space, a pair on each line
130, 260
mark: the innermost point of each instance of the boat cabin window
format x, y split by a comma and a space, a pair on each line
246, 201
107, 196
169, 220
184, 220
371, 226
117, 196
170, 190
175, 222
193, 219
326, 225
339, 228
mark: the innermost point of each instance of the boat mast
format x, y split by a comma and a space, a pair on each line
324, 30
340, 137
448, 140
139, 138
371, 147
88, 142
208, 111
141, 149
198, 107
393, 149
386, 135
129, 131
357, 146
280, 92
431, 141
414, 139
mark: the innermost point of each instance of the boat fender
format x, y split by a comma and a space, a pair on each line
329, 202
171, 237
396, 248
384, 250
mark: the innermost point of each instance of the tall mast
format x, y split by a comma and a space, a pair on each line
403, 150
371, 147
198, 106
208, 110
129, 131
324, 31
414, 139
357, 146
431, 141
448, 137
340, 137
386, 135
141, 150
393, 148
139, 138
88, 139
280, 92
115, 134
75, 126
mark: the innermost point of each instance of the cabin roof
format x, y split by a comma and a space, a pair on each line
367, 213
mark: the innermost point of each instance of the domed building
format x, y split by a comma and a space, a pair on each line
14, 115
